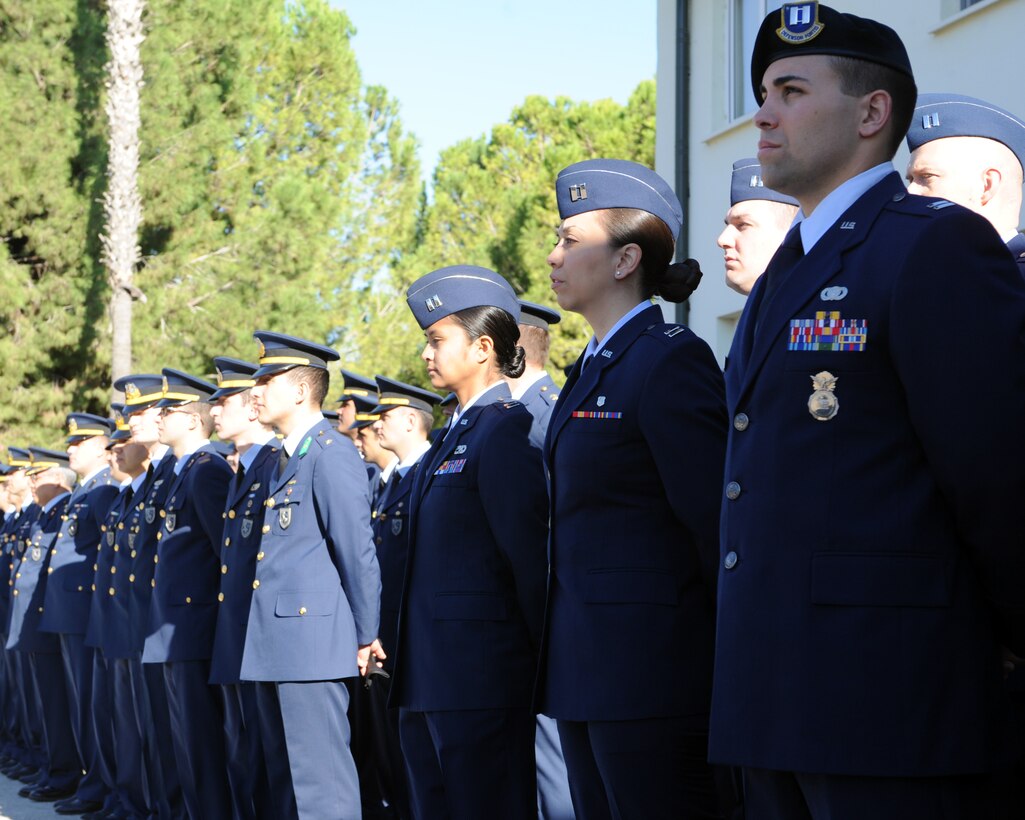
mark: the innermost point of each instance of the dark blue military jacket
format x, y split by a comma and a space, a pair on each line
29, 588
391, 537
240, 546
8, 551
539, 399
473, 596
873, 561
634, 454
1017, 248
135, 554
183, 610
102, 605
69, 587
316, 594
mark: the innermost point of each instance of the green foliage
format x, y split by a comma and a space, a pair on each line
494, 205
278, 192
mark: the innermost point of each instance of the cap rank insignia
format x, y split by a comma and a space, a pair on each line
578, 192
433, 303
800, 22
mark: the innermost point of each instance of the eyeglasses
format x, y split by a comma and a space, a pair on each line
167, 411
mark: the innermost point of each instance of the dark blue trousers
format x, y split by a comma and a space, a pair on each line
247, 771
77, 662
164, 793
29, 724
130, 767
774, 795
471, 764
101, 716
656, 769
63, 766
197, 721
306, 738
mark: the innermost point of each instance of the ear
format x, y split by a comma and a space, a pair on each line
876, 112
627, 259
484, 346
991, 179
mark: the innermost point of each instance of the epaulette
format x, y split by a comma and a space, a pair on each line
666, 332
326, 438
916, 204
507, 405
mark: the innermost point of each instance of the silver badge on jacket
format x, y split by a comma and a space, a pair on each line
823, 403
285, 517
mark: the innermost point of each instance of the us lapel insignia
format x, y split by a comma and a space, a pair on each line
459, 450
601, 401
823, 403
247, 527
171, 518
396, 526
285, 517
151, 514
607, 354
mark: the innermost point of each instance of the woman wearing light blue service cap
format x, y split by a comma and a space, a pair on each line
635, 453
473, 594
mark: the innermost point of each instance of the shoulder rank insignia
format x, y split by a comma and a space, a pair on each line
674, 331
827, 331
939, 205
823, 403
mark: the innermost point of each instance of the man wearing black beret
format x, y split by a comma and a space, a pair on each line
871, 566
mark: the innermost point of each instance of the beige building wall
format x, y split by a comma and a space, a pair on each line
978, 51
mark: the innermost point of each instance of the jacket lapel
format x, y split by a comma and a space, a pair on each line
585, 381
293, 461
820, 265
239, 489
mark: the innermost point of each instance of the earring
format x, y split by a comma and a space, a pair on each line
619, 274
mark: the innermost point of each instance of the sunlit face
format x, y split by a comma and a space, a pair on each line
44, 485
583, 262
17, 483
129, 456
754, 230
809, 127
87, 454
176, 424
275, 397
452, 359
232, 416
144, 426
369, 445
392, 427
951, 169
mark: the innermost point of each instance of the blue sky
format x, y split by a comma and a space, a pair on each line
458, 67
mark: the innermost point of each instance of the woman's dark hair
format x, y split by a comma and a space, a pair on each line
673, 282
501, 327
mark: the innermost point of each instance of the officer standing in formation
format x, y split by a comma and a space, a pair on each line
871, 567
756, 222
970, 152
181, 640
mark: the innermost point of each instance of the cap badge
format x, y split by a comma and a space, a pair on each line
577, 192
132, 392
823, 403
163, 385
800, 23
72, 427
433, 303
931, 120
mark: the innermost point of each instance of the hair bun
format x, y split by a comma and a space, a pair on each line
680, 280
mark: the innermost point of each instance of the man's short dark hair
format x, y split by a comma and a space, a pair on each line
535, 342
860, 77
316, 377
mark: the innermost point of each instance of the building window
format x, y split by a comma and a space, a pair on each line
743, 19
968, 3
